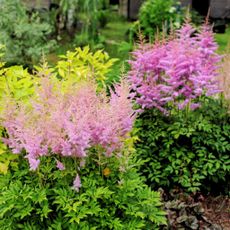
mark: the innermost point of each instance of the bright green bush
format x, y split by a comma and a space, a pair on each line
15, 82
189, 149
112, 196
25, 37
83, 64
156, 14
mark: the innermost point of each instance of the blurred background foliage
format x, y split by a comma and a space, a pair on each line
30, 29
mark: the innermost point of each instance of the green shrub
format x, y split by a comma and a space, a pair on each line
25, 37
189, 149
156, 14
112, 196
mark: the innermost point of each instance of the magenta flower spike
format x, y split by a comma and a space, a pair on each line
176, 71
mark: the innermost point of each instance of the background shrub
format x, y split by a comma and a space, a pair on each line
93, 16
25, 37
159, 14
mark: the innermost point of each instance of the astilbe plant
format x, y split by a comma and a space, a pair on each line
176, 71
69, 123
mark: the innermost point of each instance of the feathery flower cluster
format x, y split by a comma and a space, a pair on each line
70, 123
175, 71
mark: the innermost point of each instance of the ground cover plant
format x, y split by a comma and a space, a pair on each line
75, 168
196, 212
107, 197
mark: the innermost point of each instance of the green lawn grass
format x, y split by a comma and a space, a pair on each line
223, 41
116, 36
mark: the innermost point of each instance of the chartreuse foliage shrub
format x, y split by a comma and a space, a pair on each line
6, 158
79, 171
84, 64
184, 133
15, 82
186, 149
25, 37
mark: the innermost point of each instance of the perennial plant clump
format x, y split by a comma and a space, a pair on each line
68, 124
176, 71
67, 115
176, 77
188, 149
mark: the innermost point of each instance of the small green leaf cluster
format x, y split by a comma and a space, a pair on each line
7, 159
189, 149
84, 65
16, 82
25, 37
112, 196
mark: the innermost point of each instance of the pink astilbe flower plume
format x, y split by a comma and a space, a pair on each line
60, 165
77, 183
69, 123
176, 71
